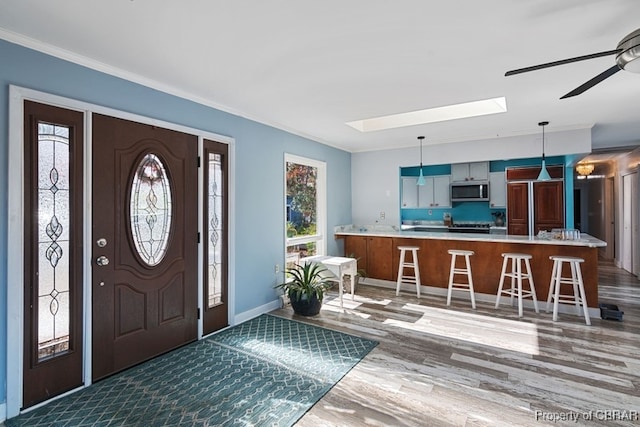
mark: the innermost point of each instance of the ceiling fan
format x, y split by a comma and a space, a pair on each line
627, 53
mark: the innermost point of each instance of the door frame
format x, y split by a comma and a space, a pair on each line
15, 246
629, 205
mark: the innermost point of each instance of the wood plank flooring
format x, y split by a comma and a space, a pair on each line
443, 366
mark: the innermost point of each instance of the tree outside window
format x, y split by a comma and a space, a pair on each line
304, 180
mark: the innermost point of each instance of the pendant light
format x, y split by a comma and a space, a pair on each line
544, 174
421, 177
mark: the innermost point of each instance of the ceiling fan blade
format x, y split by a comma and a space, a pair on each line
594, 81
561, 62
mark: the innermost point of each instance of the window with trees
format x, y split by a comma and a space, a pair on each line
305, 208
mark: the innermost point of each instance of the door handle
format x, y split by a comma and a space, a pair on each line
102, 261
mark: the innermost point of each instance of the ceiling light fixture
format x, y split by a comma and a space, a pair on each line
544, 173
629, 57
431, 115
421, 177
584, 169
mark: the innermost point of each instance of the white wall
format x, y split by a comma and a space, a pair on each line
375, 174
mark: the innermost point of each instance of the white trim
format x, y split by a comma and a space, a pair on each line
87, 180
15, 254
15, 240
250, 314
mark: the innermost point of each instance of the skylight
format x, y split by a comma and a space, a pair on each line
432, 115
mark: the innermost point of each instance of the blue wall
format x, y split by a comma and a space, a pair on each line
480, 211
259, 211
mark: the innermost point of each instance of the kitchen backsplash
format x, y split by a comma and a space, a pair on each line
463, 211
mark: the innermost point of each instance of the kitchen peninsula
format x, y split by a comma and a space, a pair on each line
376, 249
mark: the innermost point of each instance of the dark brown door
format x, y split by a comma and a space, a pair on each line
216, 241
53, 331
144, 242
518, 208
548, 206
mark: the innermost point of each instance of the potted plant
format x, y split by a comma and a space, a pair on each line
305, 286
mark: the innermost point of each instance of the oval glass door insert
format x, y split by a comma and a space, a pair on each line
150, 209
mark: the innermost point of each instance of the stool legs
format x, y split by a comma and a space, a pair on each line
583, 300
576, 282
453, 266
532, 287
517, 275
404, 264
466, 271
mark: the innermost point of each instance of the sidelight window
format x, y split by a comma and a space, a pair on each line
215, 223
53, 239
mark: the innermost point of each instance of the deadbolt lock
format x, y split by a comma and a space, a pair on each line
102, 261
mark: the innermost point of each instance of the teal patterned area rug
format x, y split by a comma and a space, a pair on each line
267, 371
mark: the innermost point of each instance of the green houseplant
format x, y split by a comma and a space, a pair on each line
305, 286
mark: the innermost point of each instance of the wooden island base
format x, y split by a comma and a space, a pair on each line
379, 257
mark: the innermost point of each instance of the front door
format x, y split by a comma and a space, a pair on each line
144, 242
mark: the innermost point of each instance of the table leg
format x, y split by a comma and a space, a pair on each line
341, 276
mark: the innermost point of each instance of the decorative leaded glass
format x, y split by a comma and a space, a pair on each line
151, 209
215, 222
53, 240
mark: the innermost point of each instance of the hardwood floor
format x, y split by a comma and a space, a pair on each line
442, 366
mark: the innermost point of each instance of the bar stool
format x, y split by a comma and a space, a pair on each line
517, 276
466, 271
578, 297
405, 264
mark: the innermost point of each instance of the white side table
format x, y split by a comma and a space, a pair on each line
338, 267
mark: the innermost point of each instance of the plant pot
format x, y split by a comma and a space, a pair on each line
306, 307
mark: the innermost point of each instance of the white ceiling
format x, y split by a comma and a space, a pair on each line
310, 66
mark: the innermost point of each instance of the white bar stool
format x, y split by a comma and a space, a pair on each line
517, 276
466, 271
402, 278
578, 297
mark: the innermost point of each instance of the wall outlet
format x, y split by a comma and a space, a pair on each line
382, 215
277, 268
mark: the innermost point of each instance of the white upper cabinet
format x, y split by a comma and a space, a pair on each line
409, 192
435, 192
476, 171
497, 190
442, 191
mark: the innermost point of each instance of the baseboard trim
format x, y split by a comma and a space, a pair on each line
491, 298
250, 314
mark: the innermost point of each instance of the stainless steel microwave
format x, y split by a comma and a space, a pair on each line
476, 191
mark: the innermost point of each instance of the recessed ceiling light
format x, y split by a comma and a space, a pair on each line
431, 115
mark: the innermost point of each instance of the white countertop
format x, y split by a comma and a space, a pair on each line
389, 231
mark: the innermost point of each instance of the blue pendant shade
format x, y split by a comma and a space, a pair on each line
421, 177
544, 173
